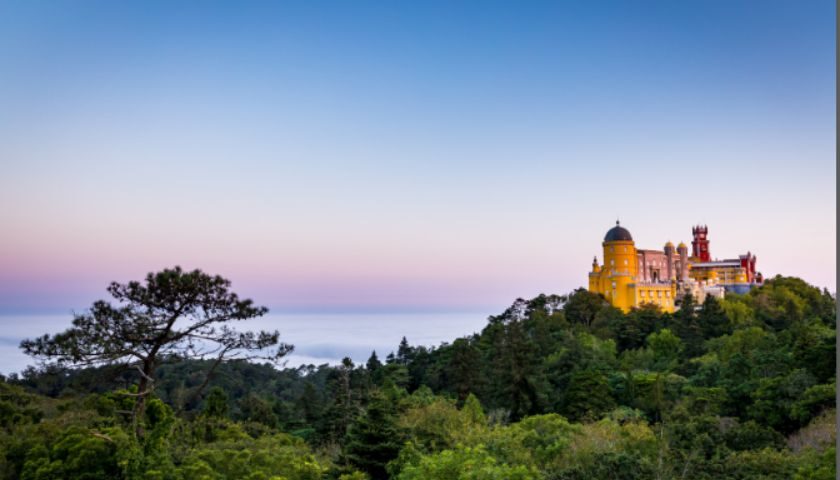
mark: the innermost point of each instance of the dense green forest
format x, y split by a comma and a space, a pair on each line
556, 387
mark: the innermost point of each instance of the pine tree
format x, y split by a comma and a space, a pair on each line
373, 363
309, 404
405, 352
173, 314
464, 368
344, 407
712, 319
374, 439
519, 367
687, 327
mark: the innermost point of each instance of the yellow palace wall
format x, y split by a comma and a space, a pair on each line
616, 280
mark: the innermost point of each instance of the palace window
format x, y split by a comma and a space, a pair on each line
625, 262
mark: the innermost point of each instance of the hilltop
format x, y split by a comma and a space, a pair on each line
564, 387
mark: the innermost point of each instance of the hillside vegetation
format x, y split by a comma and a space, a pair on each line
556, 387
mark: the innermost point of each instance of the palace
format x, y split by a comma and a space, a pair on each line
631, 276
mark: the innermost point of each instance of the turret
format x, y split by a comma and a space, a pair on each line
669, 255
620, 266
682, 250
595, 267
700, 244
619, 250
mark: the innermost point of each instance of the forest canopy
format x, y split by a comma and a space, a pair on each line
555, 387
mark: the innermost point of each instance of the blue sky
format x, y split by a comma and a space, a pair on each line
406, 156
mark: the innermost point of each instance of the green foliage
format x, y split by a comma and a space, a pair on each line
374, 439
632, 330
472, 409
753, 436
171, 315
583, 307
552, 388
588, 395
76, 453
766, 464
785, 301
775, 398
466, 463
254, 408
665, 348
263, 458
818, 465
89, 438
545, 446
685, 323
216, 403
712, 318
812, 402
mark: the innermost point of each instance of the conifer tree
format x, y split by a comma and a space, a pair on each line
519, 367
712, 319
374, 369
373, 364
374, 439
687, 327
464, 368
344, 407
310, 404
405, 352
172, 315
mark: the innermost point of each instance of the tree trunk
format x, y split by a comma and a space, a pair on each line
143, 389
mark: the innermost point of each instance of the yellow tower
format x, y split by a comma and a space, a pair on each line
619, 270
618, 278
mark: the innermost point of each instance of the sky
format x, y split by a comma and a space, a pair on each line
406, 156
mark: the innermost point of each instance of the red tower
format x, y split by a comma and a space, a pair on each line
700, 244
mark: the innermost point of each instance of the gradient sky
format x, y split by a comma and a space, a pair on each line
406, 156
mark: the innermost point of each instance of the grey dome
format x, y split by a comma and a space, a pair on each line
618, 233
